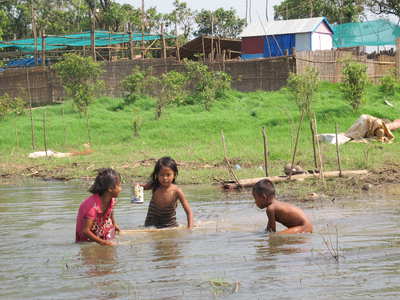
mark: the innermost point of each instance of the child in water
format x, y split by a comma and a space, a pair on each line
162, 208
95, 220
277, 211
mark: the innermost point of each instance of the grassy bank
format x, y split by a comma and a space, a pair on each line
192, 136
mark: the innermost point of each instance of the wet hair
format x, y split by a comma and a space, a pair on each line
163, 162
106, 178
264, 187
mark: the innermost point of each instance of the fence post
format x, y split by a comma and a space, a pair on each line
398, 58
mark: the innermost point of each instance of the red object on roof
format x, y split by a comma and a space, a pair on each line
253, 45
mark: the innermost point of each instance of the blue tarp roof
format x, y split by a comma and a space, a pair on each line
102, 38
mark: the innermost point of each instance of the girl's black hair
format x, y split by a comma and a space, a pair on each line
106, 178
163, 162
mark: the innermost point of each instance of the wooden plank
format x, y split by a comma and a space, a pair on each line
252, 181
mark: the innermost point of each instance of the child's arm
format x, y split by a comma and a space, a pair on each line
271, 227
117, 229
146, 186
86, 231
186, 207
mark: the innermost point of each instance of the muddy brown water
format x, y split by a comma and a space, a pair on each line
227, 255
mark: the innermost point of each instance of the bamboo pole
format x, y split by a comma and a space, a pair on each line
321, 164
296, 142
398, 58
30, 109
44, 132
337, 152
230, 169
313, 144
16, 134
92, 32
131, 55
43, 48
265, 151
204, 50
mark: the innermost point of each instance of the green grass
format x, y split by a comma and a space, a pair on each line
191, 135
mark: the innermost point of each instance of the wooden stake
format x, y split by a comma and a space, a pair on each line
265, 151
296, 143
313, 144
337, 152
321, 165
230, 169
44, 132
30, 110
16, 133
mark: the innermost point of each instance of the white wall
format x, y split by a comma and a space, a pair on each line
321, 41
303, 42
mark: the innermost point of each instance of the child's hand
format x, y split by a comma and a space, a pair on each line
108, 243
117, 229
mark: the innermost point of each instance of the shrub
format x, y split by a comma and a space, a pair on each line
137, 84
9, 105
303, 88
206, 86
80, 78
354, 82
389, 84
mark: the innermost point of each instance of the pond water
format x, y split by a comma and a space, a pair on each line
228, 255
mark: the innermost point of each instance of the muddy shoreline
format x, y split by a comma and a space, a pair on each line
383, 180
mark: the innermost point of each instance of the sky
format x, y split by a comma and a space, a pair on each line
258, 7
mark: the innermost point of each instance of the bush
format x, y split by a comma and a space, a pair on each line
79, 76
354, 82
9, 105
389, 84
136, 85
206, 86
303, 88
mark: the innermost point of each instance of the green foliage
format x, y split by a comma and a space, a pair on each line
221, 22
336, 11
9, 105
171, 90
79, 76
303, 88
134, 85
354, 83
206, 86
389, 84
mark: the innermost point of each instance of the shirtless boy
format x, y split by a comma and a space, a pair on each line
277, 211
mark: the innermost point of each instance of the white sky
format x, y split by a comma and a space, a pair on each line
257, 6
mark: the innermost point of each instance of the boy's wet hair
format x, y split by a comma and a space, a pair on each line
163, 162
264, 187
106, 178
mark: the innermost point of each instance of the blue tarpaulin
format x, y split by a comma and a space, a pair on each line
276, 45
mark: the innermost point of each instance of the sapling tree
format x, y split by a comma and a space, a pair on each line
171, 89
206, 86
354, 82
80, 78
303, 88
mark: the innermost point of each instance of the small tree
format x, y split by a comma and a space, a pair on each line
80, 77
10, 105
134, 85
354, 82
389, 84
172, 89
206, 86
303, 88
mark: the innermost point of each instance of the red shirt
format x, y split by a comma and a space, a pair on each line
102, 226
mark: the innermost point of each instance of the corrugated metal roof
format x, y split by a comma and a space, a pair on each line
283, 27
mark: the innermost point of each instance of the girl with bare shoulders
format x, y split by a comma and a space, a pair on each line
162, 208
286, 214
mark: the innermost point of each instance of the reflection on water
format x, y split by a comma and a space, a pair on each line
228, 254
